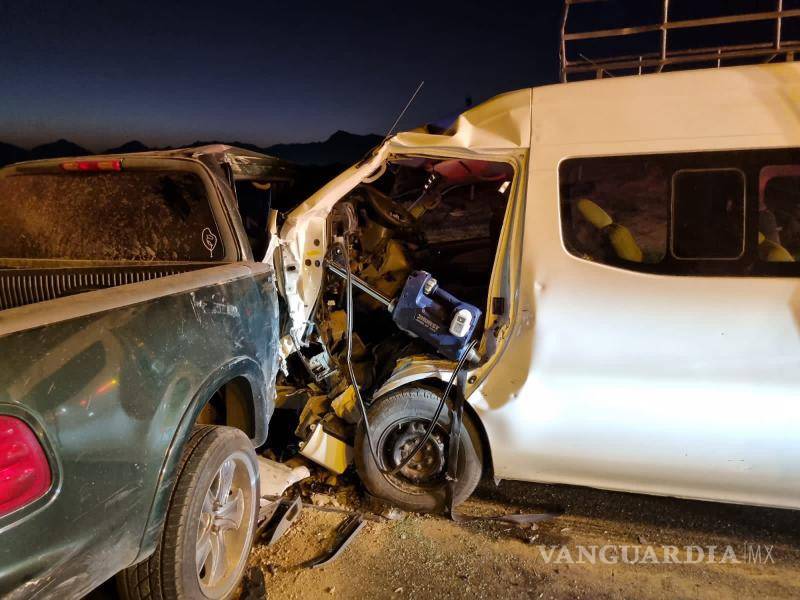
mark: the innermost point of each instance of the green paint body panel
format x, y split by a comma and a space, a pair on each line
114, 395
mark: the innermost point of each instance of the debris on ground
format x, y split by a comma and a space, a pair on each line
338, 491
431, 556
280, 521
277, 477
253, 586
345, 532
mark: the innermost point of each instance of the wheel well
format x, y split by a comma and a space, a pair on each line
488, 464
231, 405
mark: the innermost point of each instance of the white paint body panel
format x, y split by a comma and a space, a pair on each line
682, 386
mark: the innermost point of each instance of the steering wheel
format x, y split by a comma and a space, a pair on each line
386, 210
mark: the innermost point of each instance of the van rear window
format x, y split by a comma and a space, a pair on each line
120, 216
779, 214
708, 214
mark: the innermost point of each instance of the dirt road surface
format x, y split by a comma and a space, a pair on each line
421, 556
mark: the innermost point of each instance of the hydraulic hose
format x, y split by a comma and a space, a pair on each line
438, 412
354, 382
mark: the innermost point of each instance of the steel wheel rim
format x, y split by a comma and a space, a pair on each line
391, 454
225, 526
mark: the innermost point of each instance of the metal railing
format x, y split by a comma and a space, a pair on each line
653, 62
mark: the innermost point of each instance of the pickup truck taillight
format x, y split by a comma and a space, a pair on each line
24, 471
92, 165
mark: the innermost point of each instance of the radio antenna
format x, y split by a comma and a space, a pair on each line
389, 133
402, 112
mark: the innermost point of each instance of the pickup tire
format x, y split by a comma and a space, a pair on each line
210, 522
397, 423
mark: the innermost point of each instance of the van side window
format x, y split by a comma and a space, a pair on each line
615, 210
708, 214
779, 213
726, 213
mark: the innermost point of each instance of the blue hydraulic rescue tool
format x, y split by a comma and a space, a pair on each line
426, 311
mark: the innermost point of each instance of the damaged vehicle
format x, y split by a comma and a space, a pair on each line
139, 344
604, 271
415, 215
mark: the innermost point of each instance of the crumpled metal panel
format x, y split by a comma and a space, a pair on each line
501, 122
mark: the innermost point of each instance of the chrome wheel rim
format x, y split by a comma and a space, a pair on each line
225, 527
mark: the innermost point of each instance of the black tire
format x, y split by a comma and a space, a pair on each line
415, 407
171, 572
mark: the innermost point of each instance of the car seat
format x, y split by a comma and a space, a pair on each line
618, 236
770, 251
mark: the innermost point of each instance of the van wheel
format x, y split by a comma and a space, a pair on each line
211, 519
397, 423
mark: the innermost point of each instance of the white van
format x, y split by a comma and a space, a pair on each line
633, 246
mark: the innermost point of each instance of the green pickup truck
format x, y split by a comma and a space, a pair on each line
139, 344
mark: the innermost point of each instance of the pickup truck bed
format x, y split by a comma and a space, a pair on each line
21, 286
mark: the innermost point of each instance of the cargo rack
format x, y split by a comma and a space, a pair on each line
584, 67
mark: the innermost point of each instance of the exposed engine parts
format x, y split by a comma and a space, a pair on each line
386, 238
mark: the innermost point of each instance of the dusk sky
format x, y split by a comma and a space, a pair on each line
101, 73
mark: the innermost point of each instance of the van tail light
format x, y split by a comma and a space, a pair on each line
24, 470
92, 165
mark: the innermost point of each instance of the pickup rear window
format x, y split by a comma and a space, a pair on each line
120, 216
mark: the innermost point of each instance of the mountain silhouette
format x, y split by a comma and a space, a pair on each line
58, 149
128, 147
10, 153
341, 148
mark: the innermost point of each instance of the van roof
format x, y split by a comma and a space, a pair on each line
730, 101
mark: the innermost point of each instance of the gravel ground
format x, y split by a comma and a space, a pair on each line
427, 556
424, 556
